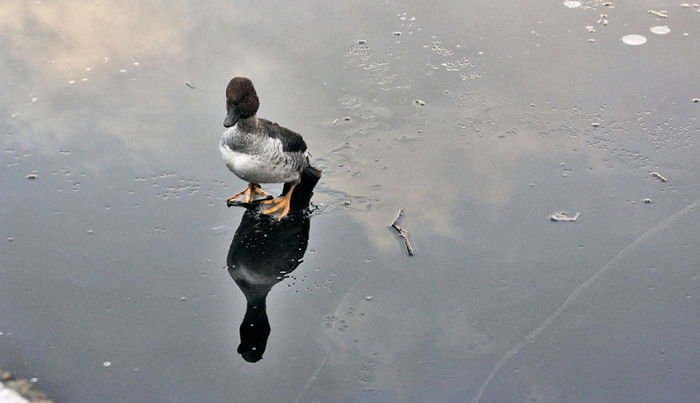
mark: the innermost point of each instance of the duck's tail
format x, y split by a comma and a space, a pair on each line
305, 189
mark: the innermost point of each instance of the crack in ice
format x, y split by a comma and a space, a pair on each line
575, 294
330, 340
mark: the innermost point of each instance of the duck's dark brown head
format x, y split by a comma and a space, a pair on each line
241, 100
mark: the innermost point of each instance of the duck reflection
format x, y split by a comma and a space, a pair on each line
263, 252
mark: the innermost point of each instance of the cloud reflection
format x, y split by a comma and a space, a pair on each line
59, 40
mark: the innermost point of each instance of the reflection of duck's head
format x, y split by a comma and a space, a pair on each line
263, 252
254, 330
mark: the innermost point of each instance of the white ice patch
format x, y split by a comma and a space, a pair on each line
572, 4
634, 40
660, 29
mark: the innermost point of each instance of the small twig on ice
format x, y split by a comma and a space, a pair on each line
563, 216
659, 176
403, 233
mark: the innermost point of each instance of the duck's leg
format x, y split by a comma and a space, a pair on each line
280, 204
252, 193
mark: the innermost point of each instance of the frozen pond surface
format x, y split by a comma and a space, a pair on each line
114, 233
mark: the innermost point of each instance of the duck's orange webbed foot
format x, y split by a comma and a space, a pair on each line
280, 206
251, 194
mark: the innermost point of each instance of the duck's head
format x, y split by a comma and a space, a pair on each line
241, 100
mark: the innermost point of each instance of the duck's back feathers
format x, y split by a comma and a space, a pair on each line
291, 141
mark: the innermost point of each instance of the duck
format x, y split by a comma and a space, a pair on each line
259, 151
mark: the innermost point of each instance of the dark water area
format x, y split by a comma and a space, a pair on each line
479, 119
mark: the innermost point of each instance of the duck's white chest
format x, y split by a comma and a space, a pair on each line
256, 169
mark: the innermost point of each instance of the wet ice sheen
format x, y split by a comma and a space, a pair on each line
479, 167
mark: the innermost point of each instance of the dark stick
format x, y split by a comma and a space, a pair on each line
403, 233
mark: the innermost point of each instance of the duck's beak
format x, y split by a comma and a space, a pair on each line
232, 117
